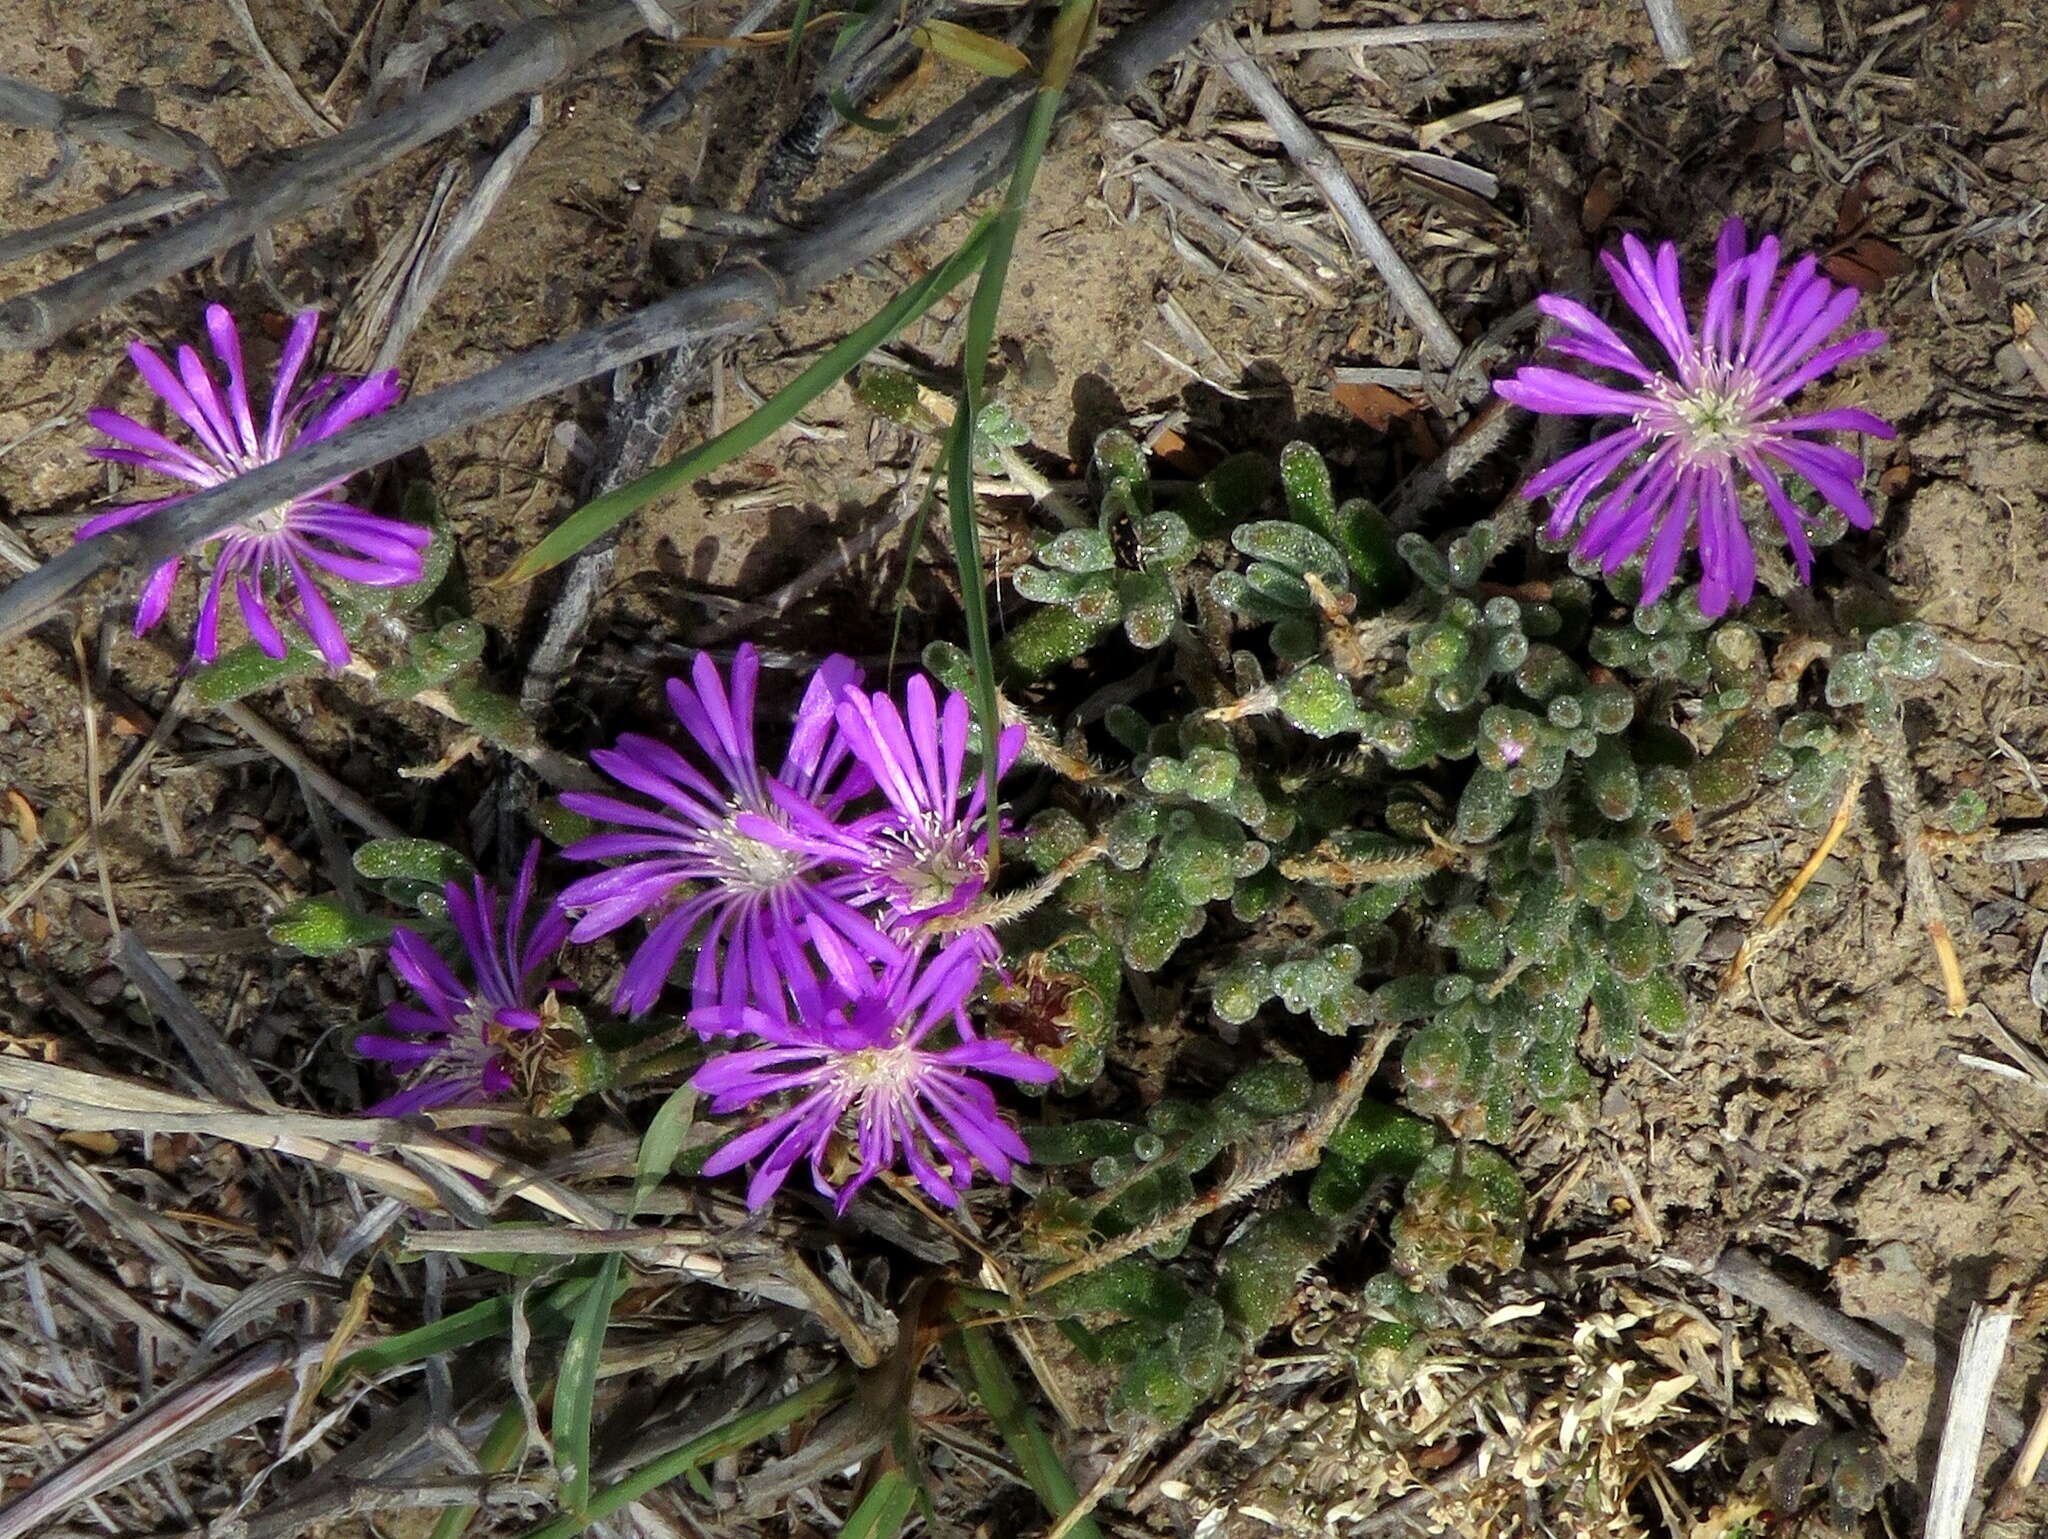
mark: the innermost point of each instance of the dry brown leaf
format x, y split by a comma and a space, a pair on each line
1867, 263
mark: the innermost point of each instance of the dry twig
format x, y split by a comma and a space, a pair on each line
1962, 1433
524, 60
1426, 32
1319, 163
1672, 36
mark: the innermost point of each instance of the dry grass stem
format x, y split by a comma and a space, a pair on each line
316, 118
1782, 905
255, 1383
80, 1101
2026, 1464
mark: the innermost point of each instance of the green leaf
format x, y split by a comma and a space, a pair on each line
661, 1144
843, 105
416, 860
1293, 546
465, 1328
602, 514
576, 1383
882, 1511
978, 51
245, 669
797, 26
326, 927
1306, 478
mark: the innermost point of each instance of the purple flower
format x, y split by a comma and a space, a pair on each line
1717, 416
925, 855
855, 1046
259, 555
458, 1049
763, 877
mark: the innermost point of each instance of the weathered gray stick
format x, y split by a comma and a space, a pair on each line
133, 208
1320, 165
26, 106
1427, 32
1669, 28
524, 60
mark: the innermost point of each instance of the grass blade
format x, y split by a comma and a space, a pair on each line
881, 1513
602, 514
576, 1378
796, 34
731, 1437
465, 1328
576, 1383
1022, 1435
1070, 29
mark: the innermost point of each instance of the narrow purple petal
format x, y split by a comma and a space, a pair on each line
227, 347
1541, 389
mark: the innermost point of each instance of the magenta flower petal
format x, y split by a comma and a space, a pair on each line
852, 1048
926, 855
1708, 423
270, 557
721, 819
458, 1047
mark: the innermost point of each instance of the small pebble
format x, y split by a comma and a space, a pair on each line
2011, 366
1998, 914
1799, 27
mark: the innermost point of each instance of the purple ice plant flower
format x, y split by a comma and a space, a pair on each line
730, 831
1716, 416
283, 545
925, 855
458, 1049
856, 1047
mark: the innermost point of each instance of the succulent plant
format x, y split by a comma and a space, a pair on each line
1368, 786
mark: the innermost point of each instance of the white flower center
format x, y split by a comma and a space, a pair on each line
885, 1069
754, 863
937, 860
1712, 417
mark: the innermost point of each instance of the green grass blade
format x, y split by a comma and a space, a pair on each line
499, 1448
881, 1513
731, 1437
1022, 1435
602, 514
796, 33
1069, 30
576, 1378
465, 1328
576, 1383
